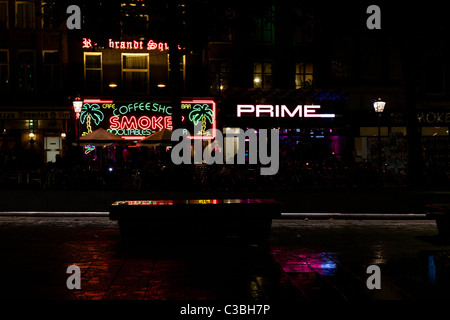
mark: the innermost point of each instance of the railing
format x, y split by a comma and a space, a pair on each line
291, 176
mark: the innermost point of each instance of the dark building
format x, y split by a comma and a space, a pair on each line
33, 106
269, 58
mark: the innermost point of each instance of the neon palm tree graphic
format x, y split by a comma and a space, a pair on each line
201, 113
91, 112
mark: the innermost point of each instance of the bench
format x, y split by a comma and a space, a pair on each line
247, 219
441, 213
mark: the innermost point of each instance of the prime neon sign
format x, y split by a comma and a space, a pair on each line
281, 111
136, 120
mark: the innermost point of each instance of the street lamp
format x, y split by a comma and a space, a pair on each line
32, 136
378, 106
77, 106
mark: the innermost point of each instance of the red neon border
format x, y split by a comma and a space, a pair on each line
214, 121
97, 101
133, 137
182, 101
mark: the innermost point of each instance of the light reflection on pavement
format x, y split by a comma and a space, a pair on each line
303, 260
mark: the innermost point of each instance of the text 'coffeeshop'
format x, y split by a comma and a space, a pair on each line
135, 120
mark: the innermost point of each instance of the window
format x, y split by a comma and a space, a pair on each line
93, 75
223, 32
3, 14
134, 17
265, 27
25, 14
182, 69
51, 70
435, 77
49, 15
303, 27
304, 75
339, 70
26, 71
135, 72
262, 75
219, 75
4, 70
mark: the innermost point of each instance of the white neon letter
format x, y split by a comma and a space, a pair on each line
284, 110
309, 112
261, 108
245, 108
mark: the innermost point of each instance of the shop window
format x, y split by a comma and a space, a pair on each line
304, 75
135, 72
4, 70
265, 29
51, 70
434, 131
3, 15
219, 75
25, 14
26, 71
262, 75
93, 73
373, 131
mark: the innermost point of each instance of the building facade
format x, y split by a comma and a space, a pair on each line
33, 109
282, 58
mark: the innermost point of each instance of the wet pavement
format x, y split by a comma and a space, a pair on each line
304, 260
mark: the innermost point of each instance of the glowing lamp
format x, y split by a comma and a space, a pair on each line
31, 135
77, 106
63, 135
112, 85
378, 106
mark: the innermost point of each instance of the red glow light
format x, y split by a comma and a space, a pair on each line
133, 137
97, 101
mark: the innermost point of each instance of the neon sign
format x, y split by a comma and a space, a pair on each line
142, 123
129, 45
281, 111
88, 148
204, 111
136, 120
91, 112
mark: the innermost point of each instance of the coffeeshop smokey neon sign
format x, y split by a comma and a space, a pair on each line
136, 120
